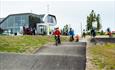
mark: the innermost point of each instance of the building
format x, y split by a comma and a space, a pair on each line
1, 19
14, 23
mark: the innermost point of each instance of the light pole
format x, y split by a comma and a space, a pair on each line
47, 19
81, 29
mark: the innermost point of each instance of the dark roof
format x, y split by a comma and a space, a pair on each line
4, 19
41, 16
22, 14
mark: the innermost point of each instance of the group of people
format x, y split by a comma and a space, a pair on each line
28, 31
76, 38
71, 34
109, 32
57, 34
93, 32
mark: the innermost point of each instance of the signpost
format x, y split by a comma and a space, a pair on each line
94, 24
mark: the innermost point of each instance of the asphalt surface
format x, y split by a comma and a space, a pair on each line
102, 40
68, 56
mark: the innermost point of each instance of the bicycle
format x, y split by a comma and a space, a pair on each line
56, 40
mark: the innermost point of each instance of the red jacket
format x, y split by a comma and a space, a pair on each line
57, 32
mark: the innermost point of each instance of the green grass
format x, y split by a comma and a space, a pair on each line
113, 35
24, 44
104, 56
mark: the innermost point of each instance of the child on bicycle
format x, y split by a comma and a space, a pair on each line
57, 34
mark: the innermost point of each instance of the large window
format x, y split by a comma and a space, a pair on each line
51, 20
42, 29
23, 20
10, 21
14, 22
18, 21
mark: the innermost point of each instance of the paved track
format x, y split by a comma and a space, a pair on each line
102, 40
68, 56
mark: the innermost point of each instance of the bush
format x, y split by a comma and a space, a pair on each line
1, 31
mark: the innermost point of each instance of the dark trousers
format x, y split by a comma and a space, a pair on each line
57, 38
71, 38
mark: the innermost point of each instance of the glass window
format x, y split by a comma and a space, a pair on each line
10, 21
17, 21
23, 20
50, 19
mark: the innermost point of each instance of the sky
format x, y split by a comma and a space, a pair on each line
71, 12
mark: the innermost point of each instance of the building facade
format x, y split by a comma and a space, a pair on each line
14, 23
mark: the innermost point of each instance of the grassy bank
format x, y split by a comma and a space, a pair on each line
103, 56
24, 44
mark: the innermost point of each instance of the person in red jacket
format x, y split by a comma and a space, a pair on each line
57, 34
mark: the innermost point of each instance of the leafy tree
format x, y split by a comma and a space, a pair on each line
65, 29
93, 18
89, 25
98, 22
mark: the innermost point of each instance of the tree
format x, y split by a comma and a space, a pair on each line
93, 18
98, 22
65, 29
89, 25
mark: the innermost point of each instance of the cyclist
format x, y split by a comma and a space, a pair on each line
57, 34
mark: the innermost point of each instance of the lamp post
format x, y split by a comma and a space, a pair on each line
47, 19
81, 29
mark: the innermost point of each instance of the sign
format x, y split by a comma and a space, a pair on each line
94, 24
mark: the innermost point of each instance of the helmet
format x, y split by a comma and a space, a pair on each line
57, 27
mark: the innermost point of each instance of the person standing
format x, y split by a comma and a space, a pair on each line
84, 34
109, 32
93, 33
71, 33
33, 31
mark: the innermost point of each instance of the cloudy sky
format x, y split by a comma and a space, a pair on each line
67, 12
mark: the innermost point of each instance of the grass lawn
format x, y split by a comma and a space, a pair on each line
25, 44
113, 35
103, 56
